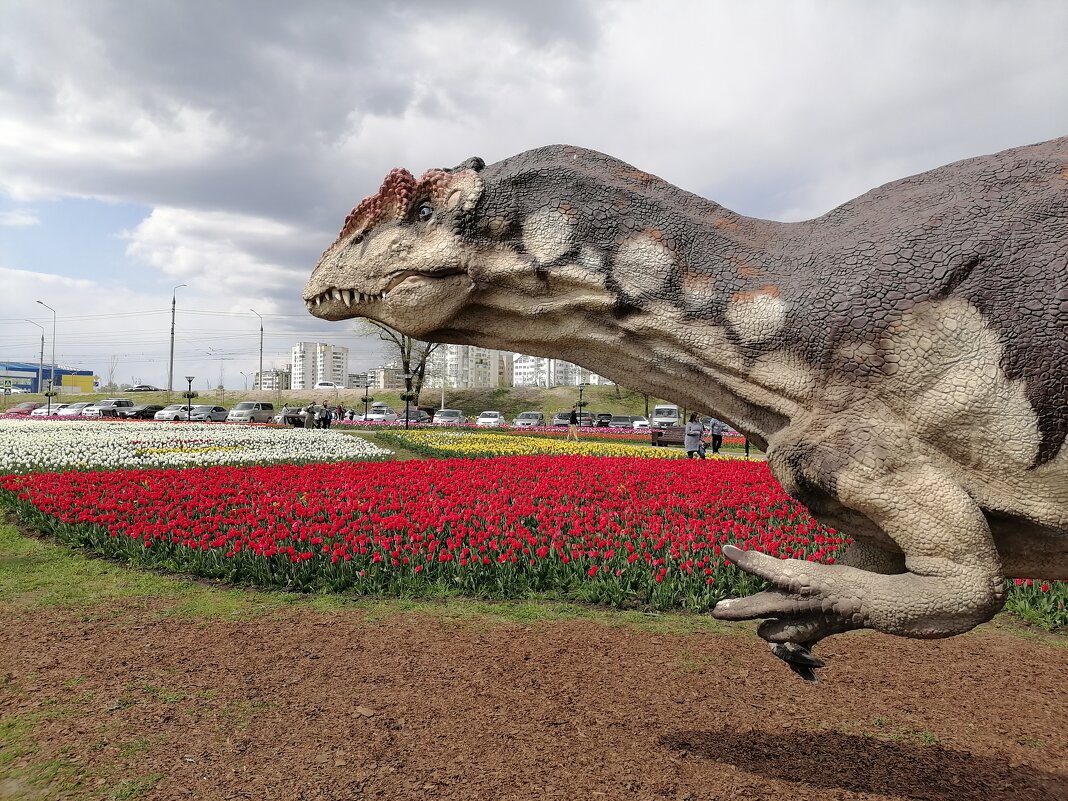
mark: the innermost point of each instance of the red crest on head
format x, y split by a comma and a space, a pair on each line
394, 198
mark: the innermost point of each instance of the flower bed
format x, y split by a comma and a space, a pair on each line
445, 442
45, 445
618, 531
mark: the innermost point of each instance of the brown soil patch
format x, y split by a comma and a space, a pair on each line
331, 706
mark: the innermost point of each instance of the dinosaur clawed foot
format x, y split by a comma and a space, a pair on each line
799, 659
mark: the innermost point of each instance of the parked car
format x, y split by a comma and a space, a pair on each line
526, 419
490, 419
42, 411
144, 388
449, 417
73, 409
251, 412
380, 413
142, 411
622, 421
208, 414
666, 415
602, 419
326, 385
639, 422
561, 418
26, 407
108, 407
290, 416
176, 411
585, 419
416, 416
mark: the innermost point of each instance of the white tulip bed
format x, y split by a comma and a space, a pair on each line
34, 446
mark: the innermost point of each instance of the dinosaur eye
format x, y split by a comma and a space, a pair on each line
424, 212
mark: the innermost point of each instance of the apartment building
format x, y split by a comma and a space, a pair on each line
468, 367
312, 362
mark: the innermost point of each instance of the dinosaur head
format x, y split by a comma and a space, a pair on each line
400, 257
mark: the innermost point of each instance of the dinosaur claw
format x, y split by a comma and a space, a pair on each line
799, 658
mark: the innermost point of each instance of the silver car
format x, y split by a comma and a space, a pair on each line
251, 412
529, 419
449, 417
208, 414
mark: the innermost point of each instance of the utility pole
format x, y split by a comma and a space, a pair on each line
52, 378
170, 369
40, 363
259, 375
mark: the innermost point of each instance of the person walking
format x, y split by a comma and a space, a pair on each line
309, 415
572, 425
692, 436
716, 429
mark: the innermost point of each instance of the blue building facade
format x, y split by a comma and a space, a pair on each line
22, 376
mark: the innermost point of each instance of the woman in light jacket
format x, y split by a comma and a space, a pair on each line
692, 437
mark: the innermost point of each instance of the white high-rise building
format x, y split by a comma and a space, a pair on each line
318, 361
539, 371
468, 367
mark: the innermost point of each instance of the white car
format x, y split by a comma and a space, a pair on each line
176, 411
106, 407
326, 385
639, 422
42, 411
380, 414
490, 419
73, 409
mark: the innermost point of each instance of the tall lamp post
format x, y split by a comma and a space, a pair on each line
244, 375
259, 375
52, 374
407, 397
189, 395
40, 363
366, 397
581, 403
170, 367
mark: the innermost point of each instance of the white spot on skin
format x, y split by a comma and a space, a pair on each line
756, 318
548, 234
642, 267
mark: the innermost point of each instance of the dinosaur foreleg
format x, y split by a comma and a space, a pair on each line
952, 579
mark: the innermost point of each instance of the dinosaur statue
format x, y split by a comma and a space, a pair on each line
902, 360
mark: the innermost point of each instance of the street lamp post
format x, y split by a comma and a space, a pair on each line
40, 363
189, 395
244, 375
52, 374
259, 375
581, 403
407, 397
170, 367
366, 398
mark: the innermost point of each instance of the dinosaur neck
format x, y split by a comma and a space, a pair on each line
701, 345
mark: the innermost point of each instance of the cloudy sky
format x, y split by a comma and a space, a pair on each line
220, 145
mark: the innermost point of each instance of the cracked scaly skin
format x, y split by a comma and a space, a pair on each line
901, 359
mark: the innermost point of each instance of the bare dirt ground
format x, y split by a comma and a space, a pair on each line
307, 705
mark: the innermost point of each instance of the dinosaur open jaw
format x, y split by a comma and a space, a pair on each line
337, 303
346, 296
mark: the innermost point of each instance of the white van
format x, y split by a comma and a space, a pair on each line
665, 415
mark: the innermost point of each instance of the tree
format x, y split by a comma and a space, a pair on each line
412, 353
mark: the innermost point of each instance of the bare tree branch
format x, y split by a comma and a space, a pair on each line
412, 353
